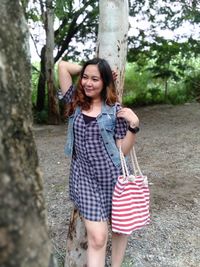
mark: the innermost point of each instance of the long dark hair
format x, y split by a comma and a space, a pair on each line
108, 94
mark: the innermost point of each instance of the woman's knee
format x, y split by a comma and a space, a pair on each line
97, 240
97, 233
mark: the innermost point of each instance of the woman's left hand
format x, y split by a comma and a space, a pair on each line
128, 115
115, 75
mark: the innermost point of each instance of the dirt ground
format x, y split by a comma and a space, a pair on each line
168, 150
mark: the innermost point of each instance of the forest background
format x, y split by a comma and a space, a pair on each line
163, 63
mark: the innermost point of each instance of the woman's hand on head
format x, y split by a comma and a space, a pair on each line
114, 74
128, 115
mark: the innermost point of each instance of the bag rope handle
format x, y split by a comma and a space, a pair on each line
123, 164
134, 162
136, 168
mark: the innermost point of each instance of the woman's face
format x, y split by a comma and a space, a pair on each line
92, 82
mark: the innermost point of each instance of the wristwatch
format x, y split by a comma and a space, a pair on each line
133, 129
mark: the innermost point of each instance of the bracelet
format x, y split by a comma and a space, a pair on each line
133, 130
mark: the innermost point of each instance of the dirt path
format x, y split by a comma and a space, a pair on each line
168, 149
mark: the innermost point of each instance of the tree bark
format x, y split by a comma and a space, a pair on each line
53, 105
112, 45
76, 242
23, 223
113, 37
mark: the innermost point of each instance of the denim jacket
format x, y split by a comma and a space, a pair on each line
106, 121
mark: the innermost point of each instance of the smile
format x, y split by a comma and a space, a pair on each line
88, 90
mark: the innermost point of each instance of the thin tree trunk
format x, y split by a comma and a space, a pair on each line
24, 238
41, 87
166, 87
53, 106
40, 104
112, 45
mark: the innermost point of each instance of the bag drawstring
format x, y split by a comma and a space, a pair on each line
136, 168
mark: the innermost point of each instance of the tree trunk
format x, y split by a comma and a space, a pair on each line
53, 106
40, 104
23, 229
113, 36
76, 242
112, 45
166, 88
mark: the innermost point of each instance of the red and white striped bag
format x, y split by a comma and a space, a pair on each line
130, 201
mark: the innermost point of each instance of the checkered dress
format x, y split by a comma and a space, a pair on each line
92, 174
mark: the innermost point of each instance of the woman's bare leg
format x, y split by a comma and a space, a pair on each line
119, 243
97, 234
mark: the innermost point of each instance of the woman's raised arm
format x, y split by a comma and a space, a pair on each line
65, 72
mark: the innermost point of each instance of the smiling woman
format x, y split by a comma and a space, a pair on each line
97, 126
92, 82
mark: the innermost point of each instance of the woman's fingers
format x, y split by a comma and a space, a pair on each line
114, 73
129, 115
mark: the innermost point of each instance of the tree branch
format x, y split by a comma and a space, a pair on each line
35, 45
73, 29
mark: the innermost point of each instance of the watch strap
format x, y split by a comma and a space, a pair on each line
133, 129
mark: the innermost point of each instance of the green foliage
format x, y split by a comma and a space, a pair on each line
177, 94
161, 66
141, 88
162, 17
42, 116
192, 85
77, 22
34, 81
157, 61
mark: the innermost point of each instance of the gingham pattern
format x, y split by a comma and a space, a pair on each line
68, 95
93, 175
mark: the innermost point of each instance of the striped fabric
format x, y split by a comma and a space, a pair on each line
130, 204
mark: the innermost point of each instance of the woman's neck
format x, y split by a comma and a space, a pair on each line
96, 102
95, 108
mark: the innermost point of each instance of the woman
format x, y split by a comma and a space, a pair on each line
98, 125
